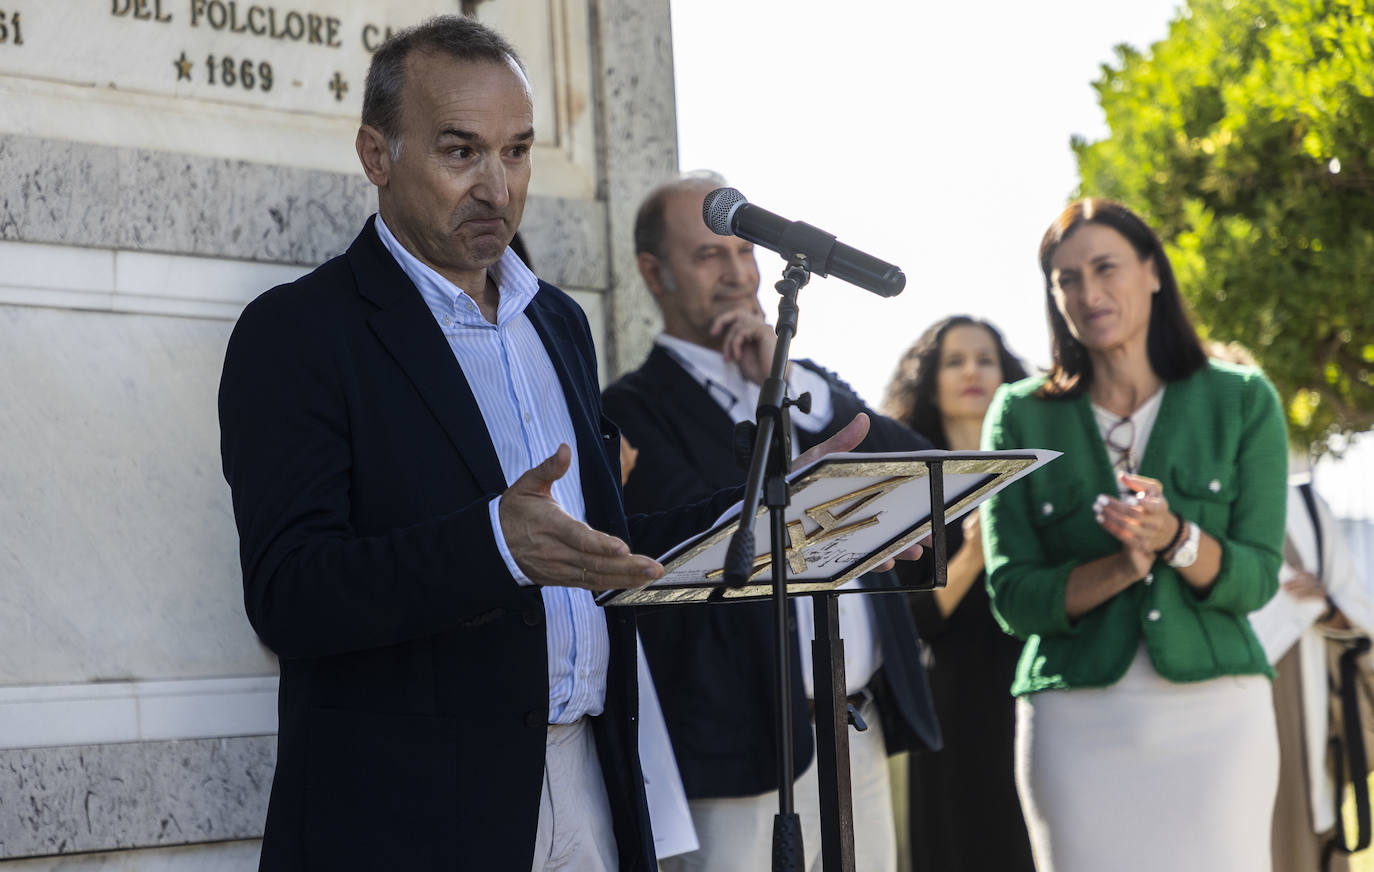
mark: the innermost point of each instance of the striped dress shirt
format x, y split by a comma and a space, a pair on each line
526, 416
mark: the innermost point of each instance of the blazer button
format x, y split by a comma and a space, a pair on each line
1047, 509
1149, 578
532, 617
536, 718
1214, 486
1153, 615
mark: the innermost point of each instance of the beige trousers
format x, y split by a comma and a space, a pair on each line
736, 833
575, 832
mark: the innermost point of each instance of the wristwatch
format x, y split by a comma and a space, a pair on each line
1185, 554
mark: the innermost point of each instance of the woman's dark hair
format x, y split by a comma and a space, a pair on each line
1173, 346
911, 394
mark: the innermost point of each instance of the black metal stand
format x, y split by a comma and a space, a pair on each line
766, 484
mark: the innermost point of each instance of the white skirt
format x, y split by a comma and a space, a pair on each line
1149, 774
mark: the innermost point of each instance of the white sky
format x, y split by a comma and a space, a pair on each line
932, 135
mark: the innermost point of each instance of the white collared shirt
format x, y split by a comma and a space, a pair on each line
526, 415
739, 398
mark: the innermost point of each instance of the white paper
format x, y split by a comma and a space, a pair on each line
669, 816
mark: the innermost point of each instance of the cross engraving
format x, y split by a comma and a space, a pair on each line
338, 86
830, 521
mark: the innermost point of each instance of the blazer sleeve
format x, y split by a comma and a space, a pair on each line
1025, 585
1252, 541
313, 586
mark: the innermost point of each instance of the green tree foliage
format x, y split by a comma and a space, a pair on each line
1246, 137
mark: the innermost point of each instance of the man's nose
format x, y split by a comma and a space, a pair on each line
491, 186
742, 270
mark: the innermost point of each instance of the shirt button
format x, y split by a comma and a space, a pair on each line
1047, 509
1153, 615
526, 416
447, 321
1214, 486
1149, 578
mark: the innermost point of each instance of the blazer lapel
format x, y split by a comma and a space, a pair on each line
692, 405
405, 327
600, 489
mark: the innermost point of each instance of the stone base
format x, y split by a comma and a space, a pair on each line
137, 795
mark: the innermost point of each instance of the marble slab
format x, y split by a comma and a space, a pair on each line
143, 794
83, 195
120, 556
237, 856
274, 81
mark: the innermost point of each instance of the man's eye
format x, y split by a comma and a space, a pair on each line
519, 151
462, 152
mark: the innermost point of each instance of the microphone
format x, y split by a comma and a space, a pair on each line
727, 213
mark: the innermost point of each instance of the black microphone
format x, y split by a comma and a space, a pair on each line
727, 213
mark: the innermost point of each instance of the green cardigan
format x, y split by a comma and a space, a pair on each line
1219, 446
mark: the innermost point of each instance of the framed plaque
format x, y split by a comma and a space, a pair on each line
848, 514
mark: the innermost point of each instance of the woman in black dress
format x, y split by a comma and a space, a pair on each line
963, 811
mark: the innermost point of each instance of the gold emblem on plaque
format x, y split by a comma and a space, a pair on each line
830, 524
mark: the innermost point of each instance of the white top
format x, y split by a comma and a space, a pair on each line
1115, 430
739, 398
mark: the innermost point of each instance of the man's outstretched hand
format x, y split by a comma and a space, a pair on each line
847, 439
553, 548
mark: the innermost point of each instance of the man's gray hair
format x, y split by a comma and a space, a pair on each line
649, 222
453, 36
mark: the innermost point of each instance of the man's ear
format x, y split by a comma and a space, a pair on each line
651, 269
375, 155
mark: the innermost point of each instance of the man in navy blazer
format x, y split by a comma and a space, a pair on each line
713, 665
396, 428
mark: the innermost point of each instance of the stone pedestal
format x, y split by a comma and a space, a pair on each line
161, 163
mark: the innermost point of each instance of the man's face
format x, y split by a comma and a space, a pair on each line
455, 195
699, 275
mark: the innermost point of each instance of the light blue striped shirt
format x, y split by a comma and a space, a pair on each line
526, 416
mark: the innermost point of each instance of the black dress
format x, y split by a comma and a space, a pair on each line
964, 812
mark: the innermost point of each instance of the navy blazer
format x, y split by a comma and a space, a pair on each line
414, 684
713, 664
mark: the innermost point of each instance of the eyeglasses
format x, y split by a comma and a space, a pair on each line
1120, 437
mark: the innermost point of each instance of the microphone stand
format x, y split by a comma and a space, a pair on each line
767, 483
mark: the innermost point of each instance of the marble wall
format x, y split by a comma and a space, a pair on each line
138, 214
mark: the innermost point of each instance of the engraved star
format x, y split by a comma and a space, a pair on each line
183, 66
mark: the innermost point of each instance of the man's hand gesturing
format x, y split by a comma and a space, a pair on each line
553, 548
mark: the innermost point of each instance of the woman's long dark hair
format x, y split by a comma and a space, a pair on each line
911, 394
1172, 344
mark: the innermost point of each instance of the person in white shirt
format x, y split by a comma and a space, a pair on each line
712, 664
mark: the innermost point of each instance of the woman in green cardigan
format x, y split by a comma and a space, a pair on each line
1145, 726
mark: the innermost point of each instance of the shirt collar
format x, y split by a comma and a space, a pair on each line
516, 284
721, 380
698, 360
